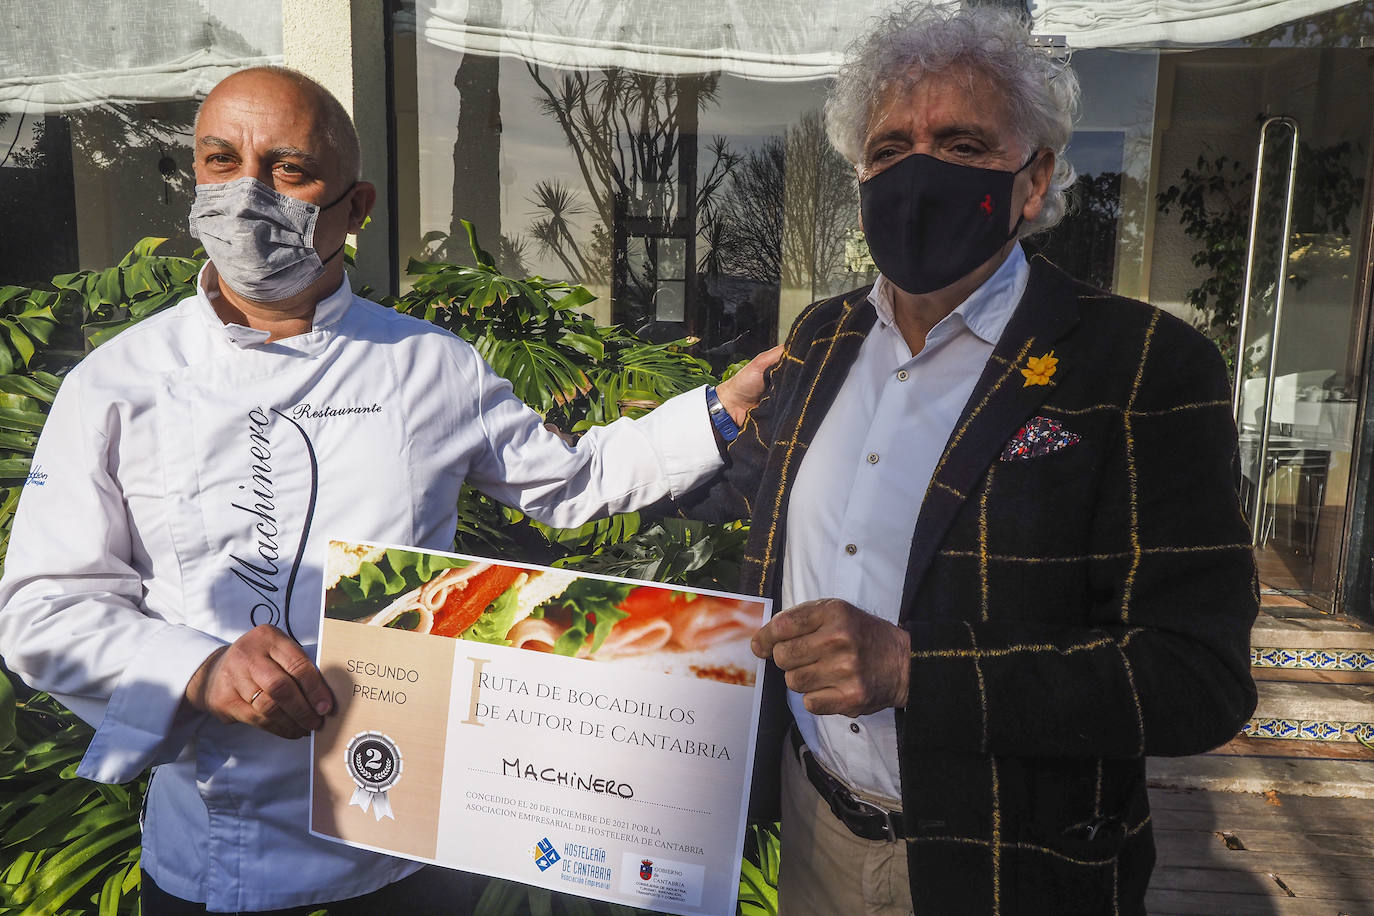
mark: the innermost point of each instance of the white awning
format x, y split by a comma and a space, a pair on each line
1113, 23
60, 55
796, 39
761, 39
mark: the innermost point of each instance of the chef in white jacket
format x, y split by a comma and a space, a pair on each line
164, 573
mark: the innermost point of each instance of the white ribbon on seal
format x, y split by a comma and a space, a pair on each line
381, 805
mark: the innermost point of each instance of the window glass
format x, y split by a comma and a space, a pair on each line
97, 103
703, 205
1350, 25
1102, 238
613, 177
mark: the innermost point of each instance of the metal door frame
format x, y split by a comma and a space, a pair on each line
1266, 415
1354, 586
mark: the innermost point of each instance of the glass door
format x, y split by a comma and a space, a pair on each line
1297, 354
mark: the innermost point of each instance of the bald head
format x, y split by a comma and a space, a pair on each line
330, 122
284, 131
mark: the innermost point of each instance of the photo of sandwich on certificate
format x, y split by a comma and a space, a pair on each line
646, 626
587, 734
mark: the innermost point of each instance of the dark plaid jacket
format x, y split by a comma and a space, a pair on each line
1072, 607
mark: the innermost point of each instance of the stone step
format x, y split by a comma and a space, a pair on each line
1293, 711
1302, 644
1301, 700
1285, 775
1301, 628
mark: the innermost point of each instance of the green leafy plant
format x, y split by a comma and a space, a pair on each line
24, 403
558, 360
758, 890
678, 551
574, 372
70, 846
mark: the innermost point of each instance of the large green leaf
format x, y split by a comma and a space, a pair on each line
7, 730
60, 806
540, 374
21, 419
14, 468
20, 442
143, 248
478, 252
21, 342
72, 867
26, 386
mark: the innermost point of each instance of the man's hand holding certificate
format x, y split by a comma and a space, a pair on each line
590, 735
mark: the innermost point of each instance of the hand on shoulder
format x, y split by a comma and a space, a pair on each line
742, 392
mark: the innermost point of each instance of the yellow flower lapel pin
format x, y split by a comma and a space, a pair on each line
1039, 369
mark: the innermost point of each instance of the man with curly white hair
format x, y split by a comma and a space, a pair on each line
998, 508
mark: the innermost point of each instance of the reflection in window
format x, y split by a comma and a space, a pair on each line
84, 171
1103, 238
80, 189
1343, 27
702, 206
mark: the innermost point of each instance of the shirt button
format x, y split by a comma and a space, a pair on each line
872, 457
854, 727
903, 375
851, 549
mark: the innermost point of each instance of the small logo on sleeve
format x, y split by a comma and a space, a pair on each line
36, 477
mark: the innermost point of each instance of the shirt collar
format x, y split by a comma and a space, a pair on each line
328, 310
986, 311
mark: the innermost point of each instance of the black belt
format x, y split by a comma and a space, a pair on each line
864, 820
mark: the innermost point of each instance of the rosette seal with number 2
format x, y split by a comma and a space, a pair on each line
374, 762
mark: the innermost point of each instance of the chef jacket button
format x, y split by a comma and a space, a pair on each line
851, 549
854, 727
903, 375
872, 457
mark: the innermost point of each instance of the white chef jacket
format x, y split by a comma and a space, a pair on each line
853, 508
186, 484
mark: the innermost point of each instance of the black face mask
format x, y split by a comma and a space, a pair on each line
930, 223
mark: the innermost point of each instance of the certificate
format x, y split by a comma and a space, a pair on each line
582, 733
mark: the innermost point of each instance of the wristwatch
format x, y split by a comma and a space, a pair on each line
720, 417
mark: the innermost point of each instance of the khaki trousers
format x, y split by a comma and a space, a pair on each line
825, 869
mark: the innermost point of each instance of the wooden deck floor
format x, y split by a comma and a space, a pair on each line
1229, 854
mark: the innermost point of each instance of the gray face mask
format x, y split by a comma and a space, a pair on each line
261, 241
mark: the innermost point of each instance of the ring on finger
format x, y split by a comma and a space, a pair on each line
254, 698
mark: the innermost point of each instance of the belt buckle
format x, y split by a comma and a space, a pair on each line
845, 806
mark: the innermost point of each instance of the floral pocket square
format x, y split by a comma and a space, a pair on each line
1040, 436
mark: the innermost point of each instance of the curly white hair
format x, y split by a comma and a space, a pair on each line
991, 43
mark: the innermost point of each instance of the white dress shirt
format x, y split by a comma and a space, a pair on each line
191, 476
853, 507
